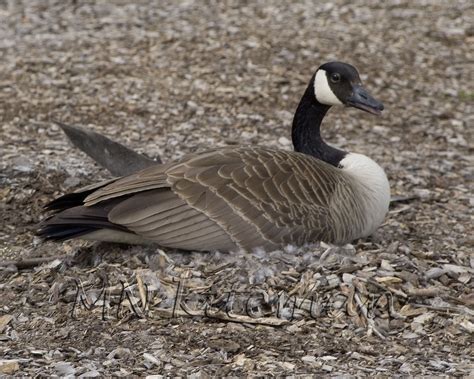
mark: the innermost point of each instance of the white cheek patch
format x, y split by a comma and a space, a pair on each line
323, 91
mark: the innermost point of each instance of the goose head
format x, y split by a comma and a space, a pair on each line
337, 83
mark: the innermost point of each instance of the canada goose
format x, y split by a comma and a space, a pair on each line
246, 197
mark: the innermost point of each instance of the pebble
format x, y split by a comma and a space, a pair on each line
9, 367
23, 164
90, 374
309, 359
119, 353
64, 369
327, 368
333, 280
151, 359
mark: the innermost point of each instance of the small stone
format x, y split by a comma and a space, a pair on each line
150, 358
293, 328
38, 352
464, 278
327, 368
347, 278
333, 281
225, 345
434, 273
405, 368
22, 164
409, 335
90, 374
385, 265
328, 358
71, 181
118, 353
64, 368
9, 367
309, 359
4, 320
288, 365
467, 325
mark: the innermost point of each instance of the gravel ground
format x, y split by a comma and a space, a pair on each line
172, 78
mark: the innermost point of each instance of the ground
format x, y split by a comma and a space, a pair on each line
167, 78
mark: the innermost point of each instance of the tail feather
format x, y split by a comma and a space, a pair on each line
115, 157
74, 199
76, 222
70, 219
63, 232
67, 201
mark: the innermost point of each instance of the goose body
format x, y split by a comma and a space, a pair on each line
246, 197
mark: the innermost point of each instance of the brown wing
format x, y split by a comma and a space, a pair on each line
248, 197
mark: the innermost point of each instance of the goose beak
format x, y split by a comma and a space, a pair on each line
362, 100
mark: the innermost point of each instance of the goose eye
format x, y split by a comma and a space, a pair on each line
335, 77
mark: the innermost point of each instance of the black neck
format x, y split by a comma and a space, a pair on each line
306, 129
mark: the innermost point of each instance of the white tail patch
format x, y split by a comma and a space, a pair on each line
323, 91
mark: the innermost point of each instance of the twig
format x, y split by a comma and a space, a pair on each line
218, 269
27, 263
270, 321
365, 313
446, 309
385, 288
141, 290
426, 292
